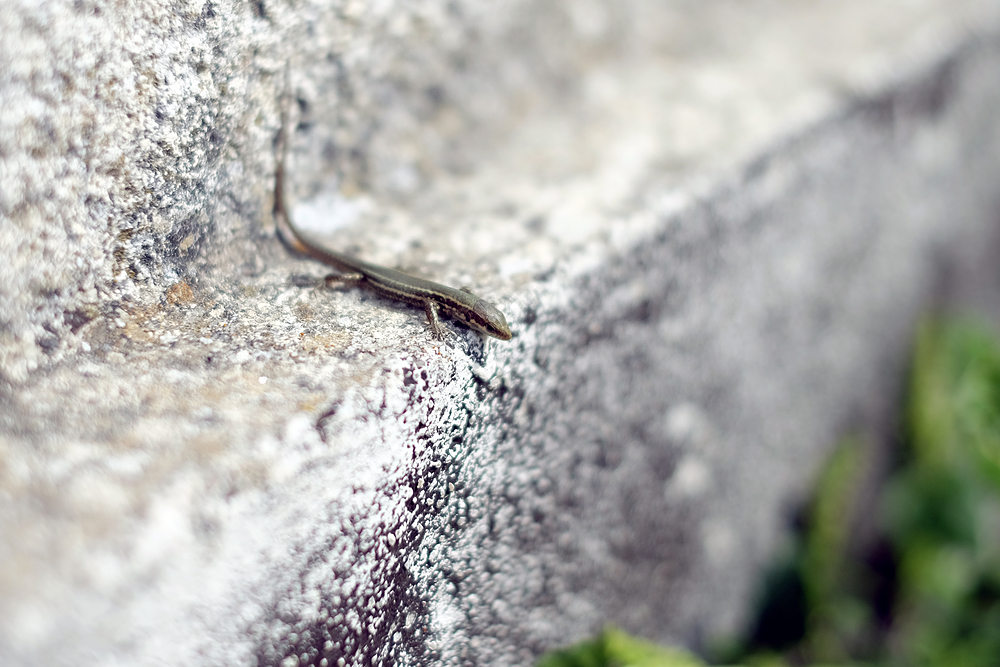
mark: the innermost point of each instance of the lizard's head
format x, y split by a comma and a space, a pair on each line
490, 320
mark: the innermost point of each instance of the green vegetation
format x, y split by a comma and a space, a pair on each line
927, 591
614, 647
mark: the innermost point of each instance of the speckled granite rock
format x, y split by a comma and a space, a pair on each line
711, 226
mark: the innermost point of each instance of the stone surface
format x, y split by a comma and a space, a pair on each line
711, 225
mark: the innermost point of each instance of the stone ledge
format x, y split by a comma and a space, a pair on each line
711, 253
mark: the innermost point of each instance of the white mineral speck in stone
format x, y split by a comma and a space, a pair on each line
690, 480
718, 540
686, 422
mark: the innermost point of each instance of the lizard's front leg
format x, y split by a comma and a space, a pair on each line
434, 319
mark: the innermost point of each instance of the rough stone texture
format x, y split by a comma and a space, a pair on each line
711, 225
